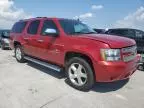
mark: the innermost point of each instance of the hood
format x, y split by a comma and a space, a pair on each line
112, 41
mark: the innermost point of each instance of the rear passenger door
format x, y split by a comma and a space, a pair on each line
31, 38
18, 34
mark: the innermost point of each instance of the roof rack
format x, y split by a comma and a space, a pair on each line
41, 17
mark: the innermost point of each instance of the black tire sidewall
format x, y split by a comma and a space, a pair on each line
90, 75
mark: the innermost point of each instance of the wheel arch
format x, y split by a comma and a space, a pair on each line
86, 57
16, 43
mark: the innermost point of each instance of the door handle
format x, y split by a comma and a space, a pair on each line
26, 38
40, 40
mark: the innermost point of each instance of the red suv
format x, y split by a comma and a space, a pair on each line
71, 45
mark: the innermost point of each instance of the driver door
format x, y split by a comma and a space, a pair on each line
50, 45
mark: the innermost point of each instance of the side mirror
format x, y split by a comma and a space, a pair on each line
50, 31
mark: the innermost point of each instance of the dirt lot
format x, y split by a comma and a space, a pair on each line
31, 86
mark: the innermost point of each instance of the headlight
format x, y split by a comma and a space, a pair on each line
111, 54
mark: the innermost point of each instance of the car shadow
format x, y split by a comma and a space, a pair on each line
109, 87
98, 87
105, 87
46, 70
5, 49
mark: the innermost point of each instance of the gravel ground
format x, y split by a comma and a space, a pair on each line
29, 85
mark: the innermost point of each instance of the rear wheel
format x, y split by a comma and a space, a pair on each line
19, 54
79, 74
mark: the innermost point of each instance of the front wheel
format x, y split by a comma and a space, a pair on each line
19, 54
79, 74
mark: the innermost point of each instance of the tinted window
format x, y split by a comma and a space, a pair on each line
75, 27
33, 27
131, 33
122, 32
0, 33
18, 27
139, 34
119, 32
5, 33
48, 24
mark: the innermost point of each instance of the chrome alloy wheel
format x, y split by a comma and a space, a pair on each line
77, 74
18, 53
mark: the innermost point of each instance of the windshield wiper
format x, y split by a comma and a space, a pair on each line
91, 33
72, 33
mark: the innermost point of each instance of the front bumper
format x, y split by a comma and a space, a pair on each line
114, 71
6, 45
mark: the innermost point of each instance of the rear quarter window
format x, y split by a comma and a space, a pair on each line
18, 27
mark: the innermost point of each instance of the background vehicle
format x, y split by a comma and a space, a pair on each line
102, 31
4, 39
71, 45
137, 35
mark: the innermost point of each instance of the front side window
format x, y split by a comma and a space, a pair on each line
48, 24
33, 27
75, 27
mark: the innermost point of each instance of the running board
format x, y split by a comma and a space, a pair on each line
45, 64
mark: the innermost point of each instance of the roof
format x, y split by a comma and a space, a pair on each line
41, 18
123, 29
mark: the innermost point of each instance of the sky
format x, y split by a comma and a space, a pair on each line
95, 13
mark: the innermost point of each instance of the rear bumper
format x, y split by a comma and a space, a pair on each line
114, 71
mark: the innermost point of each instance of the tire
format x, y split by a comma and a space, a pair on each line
19, 54
82, 71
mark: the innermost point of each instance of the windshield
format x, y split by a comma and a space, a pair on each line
75, 27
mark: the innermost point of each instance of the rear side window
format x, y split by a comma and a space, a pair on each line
18, 27
33, 27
